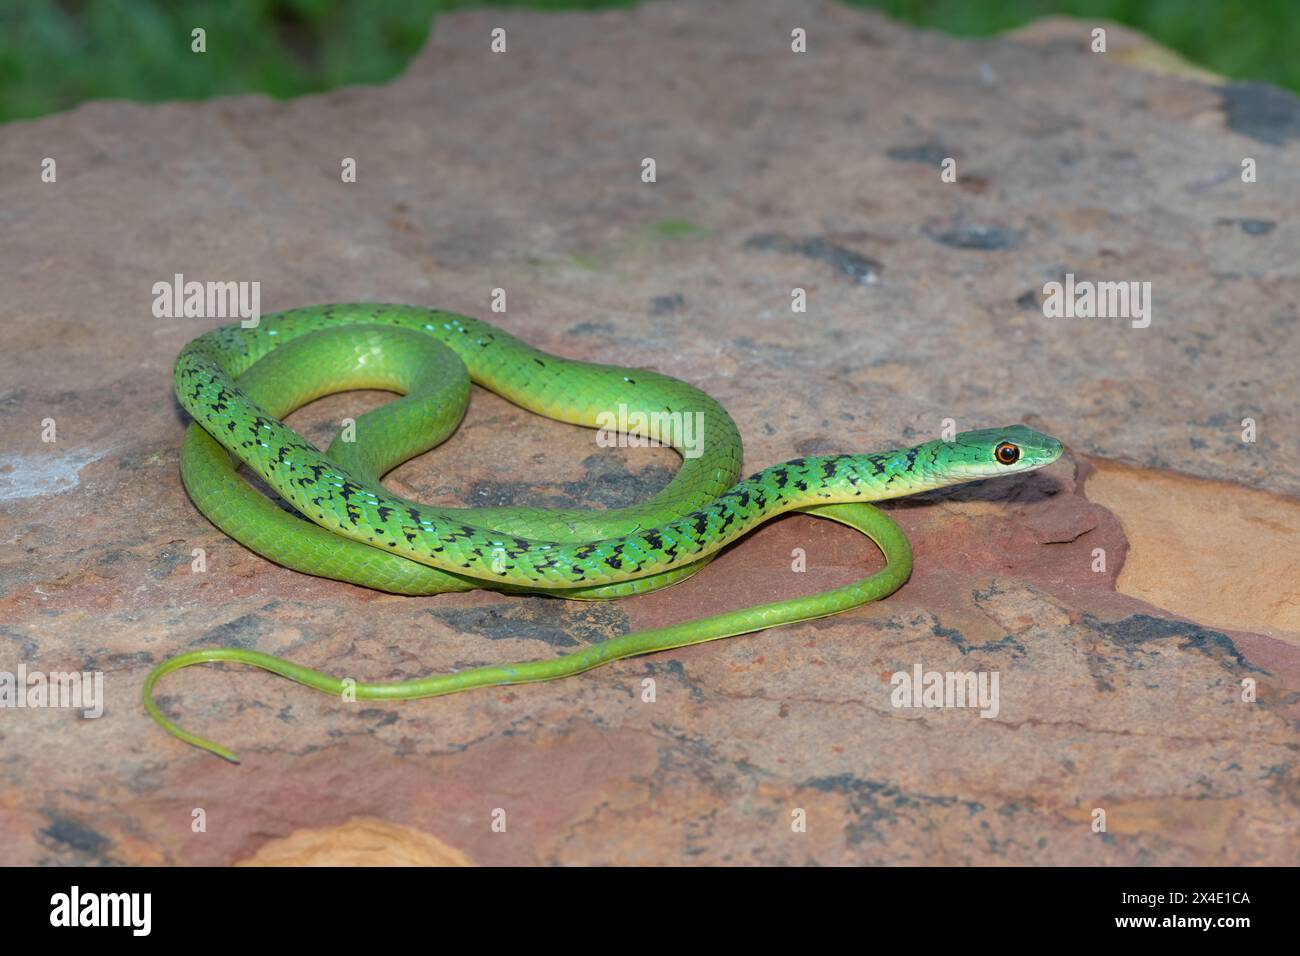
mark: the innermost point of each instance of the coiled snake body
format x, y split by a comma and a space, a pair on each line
238, 383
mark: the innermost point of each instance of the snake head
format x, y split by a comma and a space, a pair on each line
990, 452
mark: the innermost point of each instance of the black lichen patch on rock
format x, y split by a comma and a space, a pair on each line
854, 265
988, 238
67, 834
554, 622
664, 304
929, 153
1262, 112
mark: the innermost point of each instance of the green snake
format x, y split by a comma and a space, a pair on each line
238, 383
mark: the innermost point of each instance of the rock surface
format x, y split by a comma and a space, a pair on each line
775, 170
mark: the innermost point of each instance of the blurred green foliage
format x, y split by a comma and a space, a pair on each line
1242, 39
57, 53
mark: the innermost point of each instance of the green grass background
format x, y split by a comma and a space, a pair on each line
55, 54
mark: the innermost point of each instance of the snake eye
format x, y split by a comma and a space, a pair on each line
1007, 453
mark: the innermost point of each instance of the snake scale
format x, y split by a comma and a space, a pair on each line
238, 383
